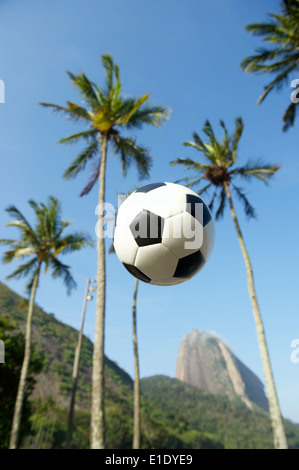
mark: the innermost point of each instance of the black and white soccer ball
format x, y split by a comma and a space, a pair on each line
164, 234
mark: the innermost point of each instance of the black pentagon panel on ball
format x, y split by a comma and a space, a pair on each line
191, 201
189, 265
150, 187
136, 272
147, 228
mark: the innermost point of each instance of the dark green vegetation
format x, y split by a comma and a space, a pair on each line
9, 379
231, 424
173, 414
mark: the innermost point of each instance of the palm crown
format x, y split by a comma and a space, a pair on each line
220, 168
283, 58
106, 114
43, 243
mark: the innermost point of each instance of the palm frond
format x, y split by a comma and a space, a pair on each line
116, 89
198, 142
73, 242
211, 204
21, 222
7, 241
261, 29
226, 140
23, 251
194, 183
236, 137
201, 147
189, 164
277, 83
282, 57
60, 226
111, 249
86, 88
24, 269
208, 130
204, 189
54, 213
79, 163
256, 169
289, 116
129, 108
77, 111
45, 244
248, 208
222, 203
93, 178
130, 152
55, 107
73, 112
113, 83
60, 270
34, 205
74, 138
108, 65
8, 256
155, 115
265, 60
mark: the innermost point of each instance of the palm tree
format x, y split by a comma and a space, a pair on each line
220, 170
106, 115
282, 31
42, 244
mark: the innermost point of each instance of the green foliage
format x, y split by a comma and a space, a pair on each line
107, 114
174, 415
219, 167
231, 424
281, 56
43, 243
9, 379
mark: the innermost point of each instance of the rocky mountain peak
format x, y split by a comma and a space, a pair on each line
206, 362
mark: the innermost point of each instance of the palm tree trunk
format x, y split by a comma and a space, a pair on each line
280, 441
75, 374
17, 416
136, 427
97, 438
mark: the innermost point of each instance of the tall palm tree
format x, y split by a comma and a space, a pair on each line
106, 115
282, 59
43, 244
220, 170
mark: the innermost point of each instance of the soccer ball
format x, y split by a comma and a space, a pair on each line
164, 234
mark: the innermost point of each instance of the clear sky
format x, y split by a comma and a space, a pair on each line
187, 55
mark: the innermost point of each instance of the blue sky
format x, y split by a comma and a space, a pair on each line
187, 55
